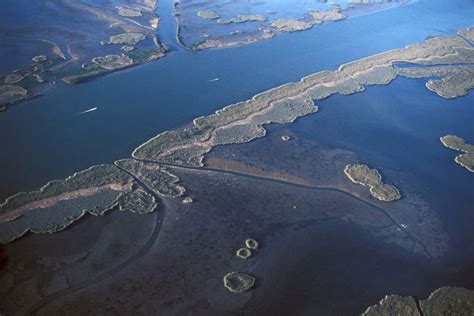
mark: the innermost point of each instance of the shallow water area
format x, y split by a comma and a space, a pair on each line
326, 246
45, 139
396, 128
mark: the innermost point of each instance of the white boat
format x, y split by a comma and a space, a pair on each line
87, 111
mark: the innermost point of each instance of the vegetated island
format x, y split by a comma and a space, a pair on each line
243, 253
362, 174
238, 282
211, 24
458, 143
139, 180
110, 36
443, 301
244, 121
129, 186
246, 252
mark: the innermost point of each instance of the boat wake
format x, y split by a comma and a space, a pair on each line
87, 111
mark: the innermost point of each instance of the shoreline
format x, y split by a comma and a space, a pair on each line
358, 10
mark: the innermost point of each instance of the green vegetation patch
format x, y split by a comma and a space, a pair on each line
251, 244
58, 216
325, 16
288, 25
59, 203
129, 13
130, 38
451, 81
243, 253
449, 301
362, 174
393, 305
13, 78
243, 121
112, 62
187, 200
88, 71
243, 19
39, 58
146, 55
10, 94
443, 301
208, 15
95, 176
238, 282
458, 143
154, 176
469, 34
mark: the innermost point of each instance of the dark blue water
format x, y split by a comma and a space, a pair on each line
397, 127
45, 138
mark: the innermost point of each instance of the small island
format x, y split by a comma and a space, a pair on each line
208, 15
237, 123
243, 253
120, 34
216, 25
458, 143
238, 282
251, 244
362, 174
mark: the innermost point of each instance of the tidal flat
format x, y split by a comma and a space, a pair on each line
410, 222
396, 242
243, 122
184, 270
